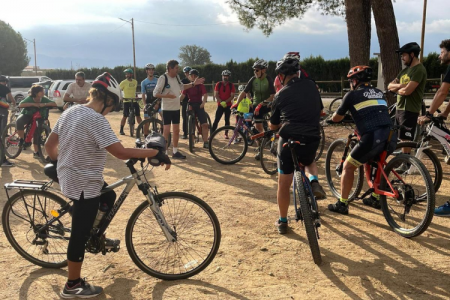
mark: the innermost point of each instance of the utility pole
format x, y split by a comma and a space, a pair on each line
134, 51
424, 18
34, 45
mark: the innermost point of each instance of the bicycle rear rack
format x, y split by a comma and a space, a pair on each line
28, 185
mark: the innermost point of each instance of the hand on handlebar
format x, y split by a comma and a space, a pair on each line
258, 108
422, 120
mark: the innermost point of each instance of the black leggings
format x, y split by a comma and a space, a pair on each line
24, 120
219, 112
83, 217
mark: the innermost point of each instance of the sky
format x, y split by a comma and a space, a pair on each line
86, 33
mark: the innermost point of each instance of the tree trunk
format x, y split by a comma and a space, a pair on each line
383, 13
358, 19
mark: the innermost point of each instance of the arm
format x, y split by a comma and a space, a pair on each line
205, 98
182, 97
439, 98
157, 92
217, 97
120, 152
395, 85
275, 118
197, 81
25, 105
339, 114
337, 118
51, 146
231, 98
11, 99
408, 89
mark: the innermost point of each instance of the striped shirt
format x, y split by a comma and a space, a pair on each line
83, 136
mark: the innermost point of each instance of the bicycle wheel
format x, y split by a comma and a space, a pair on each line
153, 124
333, 170
45, 132
209, 123
230, 151
10, 140
410, 214
268, 154
191, 132
429, 159
321, 145
308, 217
334, 105
131, 123
197, 232
24, 214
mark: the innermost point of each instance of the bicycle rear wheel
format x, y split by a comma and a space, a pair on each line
321, 144
230, 151
10, 140
308, 217
45, 132
197, 232
131, 123
153, 124
268, 154
24, 214
410, 214
191, 132
334, 105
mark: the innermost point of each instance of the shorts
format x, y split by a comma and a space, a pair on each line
371, 145
305, 153
171, 117
200, 112
126, 109
409, 120
262, 112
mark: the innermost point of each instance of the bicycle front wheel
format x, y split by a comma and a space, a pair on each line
24, 214
411, 213
153, 124
308, 217
45, 132
10, 140
230, 151
321, 144
196, 231
268, 154
191, 130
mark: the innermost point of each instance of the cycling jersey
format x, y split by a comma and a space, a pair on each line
129, 88
368, 108
447, 76
147, 87
277, 83
261, 88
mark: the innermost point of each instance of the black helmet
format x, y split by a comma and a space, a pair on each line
50, 171
410, 48
193, 71
288, 66
3, 78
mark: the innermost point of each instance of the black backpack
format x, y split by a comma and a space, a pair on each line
229, 84
166, 81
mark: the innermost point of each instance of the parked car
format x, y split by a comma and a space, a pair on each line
20, 85
58, 89
45, 84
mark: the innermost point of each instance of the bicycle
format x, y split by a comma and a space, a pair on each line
152, 123
14, 113
406, 200
131, 115
195, 128
10, 137
170, 236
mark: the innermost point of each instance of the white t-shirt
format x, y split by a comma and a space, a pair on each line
83, 136
78, 92
174, 86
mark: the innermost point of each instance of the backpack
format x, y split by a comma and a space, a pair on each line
229, 84
166, 82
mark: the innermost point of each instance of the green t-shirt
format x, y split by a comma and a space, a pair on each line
413, 102
129, 88
32, 110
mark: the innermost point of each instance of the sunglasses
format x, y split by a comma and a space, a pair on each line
256, 70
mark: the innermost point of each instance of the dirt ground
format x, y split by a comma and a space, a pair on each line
362, 257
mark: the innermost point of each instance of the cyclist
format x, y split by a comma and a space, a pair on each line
368, 108
410, 87
244, 105
296, 122
32, 104
81, 176
128, 86
197, 101
184, 103
224, 94
5, 98
261, 86
77, 92
147, 87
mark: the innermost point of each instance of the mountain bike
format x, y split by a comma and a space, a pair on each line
170, 236
131, 114
152, 123
14, 113
195, 128
407, 200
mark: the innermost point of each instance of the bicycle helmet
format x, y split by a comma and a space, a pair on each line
288, 65
241, 88
292, 55
128, 71
50, 171
149, 66
260, 63
226, 73
186, 69
361, 73
109, 85
193, 71
410, 48
3, 78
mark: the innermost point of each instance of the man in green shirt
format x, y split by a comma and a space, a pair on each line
128, 86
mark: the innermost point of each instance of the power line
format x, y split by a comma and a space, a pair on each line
177, 25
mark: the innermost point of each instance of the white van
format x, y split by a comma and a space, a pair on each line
20, 85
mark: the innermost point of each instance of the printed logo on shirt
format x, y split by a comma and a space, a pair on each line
373, 94
405, 79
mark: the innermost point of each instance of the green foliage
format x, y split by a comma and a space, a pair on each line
191, 55
13, 51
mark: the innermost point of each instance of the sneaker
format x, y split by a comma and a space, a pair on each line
402, 169
21, 142
281, 226
258, 156
339, 207
81, 290
36, 155
178, 155
184, 137
122, 133
318, 191
443, 210
372, 201
7, 163
205, 145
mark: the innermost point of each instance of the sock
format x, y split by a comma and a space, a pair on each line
345, 201
121, 128
174, 150
284, 220
376, 196
313, 178
71, 283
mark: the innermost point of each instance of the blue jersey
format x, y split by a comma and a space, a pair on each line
147, 87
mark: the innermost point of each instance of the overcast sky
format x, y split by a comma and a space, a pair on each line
88, 33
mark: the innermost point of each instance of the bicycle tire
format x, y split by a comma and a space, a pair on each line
59, 229
268, 153
191, 133
305, 208
153, 124
209, 123
429, 202
193, 207
45, 132
218, 143
321, 144
12, 151
331, 169
334, 105
437, 172
131, 124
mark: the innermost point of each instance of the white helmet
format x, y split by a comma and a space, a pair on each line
241, 88
108, 84
226, 73
149, 66
260, 63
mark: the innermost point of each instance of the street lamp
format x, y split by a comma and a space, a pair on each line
134, 52
35, 62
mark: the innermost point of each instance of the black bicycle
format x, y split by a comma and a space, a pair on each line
153, 123
170, 236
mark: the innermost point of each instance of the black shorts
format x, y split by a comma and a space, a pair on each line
127, 106
200, 112
305, 154
409, 120
262, 112
171, 117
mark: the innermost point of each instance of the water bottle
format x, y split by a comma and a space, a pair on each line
102, 209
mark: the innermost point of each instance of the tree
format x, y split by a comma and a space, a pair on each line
193, 55
358, 28
13, 51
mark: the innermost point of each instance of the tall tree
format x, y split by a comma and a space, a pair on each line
194, 55
13, 51
358, 19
